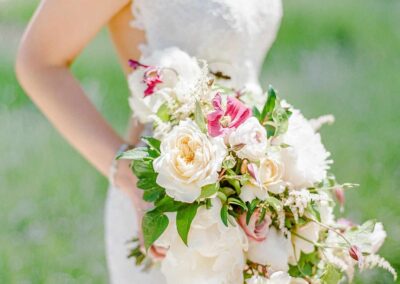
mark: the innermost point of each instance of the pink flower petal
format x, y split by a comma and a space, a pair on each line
136, 64
158, 253
235, 114
255, 230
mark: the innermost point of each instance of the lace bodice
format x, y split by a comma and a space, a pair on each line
232, 35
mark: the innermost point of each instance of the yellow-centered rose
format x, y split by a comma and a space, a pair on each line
189, 160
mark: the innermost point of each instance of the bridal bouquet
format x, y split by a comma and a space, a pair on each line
239, 195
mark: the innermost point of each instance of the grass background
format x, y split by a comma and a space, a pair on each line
340, 57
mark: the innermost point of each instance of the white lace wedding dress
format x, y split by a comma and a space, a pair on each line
233, 34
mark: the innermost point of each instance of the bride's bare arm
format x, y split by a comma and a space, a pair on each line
57, 33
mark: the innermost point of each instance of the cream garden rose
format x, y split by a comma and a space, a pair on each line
189, 160
250, 139
267, 177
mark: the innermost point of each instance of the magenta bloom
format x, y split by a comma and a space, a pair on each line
151, 77
221, 121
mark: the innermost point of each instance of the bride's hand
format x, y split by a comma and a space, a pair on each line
125, 180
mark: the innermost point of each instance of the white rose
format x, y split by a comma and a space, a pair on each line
273, 251
215, 253
279, 277
310, 232
188, 161
268, 179
251, 139
306, 160
187, 73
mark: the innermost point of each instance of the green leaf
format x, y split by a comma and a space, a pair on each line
163, 112
209, 190
221, 196
331, 275
256, 113
153, 194
262, 215
229, 162
199, 118
184, 218
224, 214
281, 118
238, 202
269, 104
275, 203
143, 169
227, 191
168, 204
134, 154
153, 225
312, 209
152, 142
250, 209
148, 183
235, 183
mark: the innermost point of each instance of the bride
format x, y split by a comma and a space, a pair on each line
233, 34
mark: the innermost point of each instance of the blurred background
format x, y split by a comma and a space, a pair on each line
340, 57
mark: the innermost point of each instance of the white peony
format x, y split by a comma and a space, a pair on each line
279, 277
306, 160
215, 252
188, 161
268, 179
273, 251
377, 237
251, 140
309, 232
177, 84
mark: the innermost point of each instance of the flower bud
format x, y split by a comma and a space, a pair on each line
243, 167
252, 171
356, 254
339, 194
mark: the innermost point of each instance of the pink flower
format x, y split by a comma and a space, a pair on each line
221, 121
151, 77
256, 230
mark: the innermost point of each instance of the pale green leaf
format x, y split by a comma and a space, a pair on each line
134, 154
199, 118
209, 190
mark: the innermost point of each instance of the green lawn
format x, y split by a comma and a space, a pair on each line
339, 57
